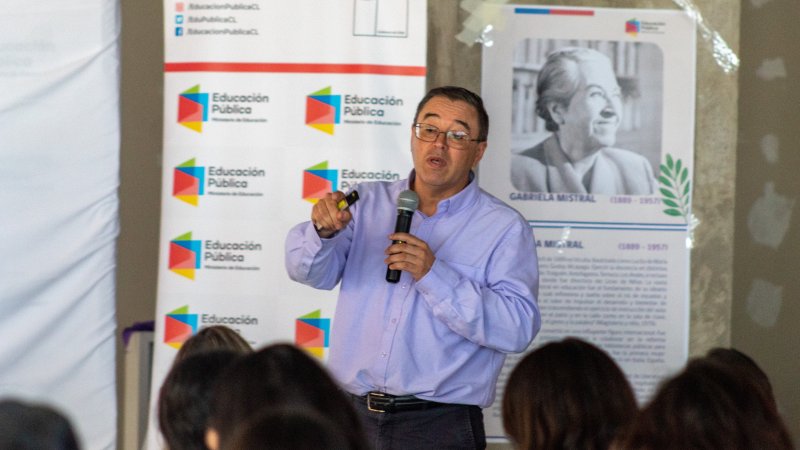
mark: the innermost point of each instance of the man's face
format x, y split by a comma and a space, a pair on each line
441, 169
594, 112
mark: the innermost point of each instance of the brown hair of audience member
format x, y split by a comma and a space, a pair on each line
737, 360
289, 429
707, 406
216, 337
566, 395
185, 398
274, 377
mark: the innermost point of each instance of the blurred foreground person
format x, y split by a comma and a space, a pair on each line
736, 360
272, 378
182, 408
290, 429
185, 398
566, 395
217, 337
27, 426
707, 406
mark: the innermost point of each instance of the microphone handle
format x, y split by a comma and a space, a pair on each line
403, 225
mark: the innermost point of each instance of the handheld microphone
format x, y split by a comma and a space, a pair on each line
407, 203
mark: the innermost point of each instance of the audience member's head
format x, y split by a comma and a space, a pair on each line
290, 429
185, 397
217, 337
27, 426
274, 377
707, 406
566, 394
738, 361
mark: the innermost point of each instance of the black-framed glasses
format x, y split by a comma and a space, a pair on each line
457, 139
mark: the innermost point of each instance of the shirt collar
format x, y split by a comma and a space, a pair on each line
463, 199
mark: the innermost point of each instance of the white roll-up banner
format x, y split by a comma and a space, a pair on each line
267, 107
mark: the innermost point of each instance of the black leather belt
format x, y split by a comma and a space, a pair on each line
383, 403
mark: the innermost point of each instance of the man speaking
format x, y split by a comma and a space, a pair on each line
421, 356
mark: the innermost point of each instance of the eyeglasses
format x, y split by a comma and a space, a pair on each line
455, 138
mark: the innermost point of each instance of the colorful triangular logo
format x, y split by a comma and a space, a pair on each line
189, 182
322, 110
179, 326
184, 255
311, 333
632, 27
318, 180
193, 108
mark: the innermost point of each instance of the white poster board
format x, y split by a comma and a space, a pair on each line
614, 267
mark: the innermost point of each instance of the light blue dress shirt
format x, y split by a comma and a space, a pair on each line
442, 338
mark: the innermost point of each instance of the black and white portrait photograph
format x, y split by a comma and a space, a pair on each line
587, 117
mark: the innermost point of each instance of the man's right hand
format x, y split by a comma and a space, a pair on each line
326, 216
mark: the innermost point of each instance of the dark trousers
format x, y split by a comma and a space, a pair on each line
457, 427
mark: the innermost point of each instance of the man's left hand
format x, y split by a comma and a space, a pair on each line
411, 255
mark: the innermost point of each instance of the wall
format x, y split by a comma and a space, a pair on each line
140, 168
765, 306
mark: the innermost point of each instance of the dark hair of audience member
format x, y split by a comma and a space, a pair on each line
289, 429
185, 397
30, 426
216, 337
739, 361
566, 395
274, 377
707, 406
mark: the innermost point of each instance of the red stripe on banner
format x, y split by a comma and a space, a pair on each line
572, 12
374, 69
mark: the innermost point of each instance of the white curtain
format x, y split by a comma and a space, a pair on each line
59, 146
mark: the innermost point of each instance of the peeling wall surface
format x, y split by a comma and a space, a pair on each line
766, 308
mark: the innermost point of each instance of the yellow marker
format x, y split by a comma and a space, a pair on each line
348, 200
344, 203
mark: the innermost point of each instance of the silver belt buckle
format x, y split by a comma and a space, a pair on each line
370, 396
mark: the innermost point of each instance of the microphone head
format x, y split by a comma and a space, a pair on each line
407, 201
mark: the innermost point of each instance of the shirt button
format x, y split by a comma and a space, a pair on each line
394, 320
383, 355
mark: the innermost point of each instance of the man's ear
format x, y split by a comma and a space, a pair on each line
212, 439
479, 154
